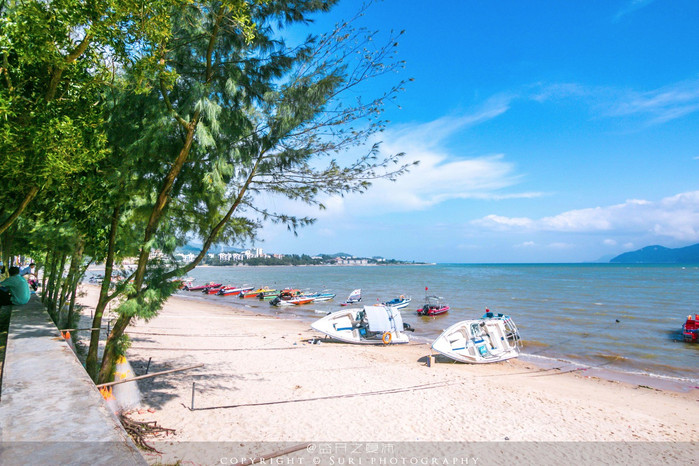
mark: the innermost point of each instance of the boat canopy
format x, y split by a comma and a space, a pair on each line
383, 319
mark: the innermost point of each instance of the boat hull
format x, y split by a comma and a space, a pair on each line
432, 311
398, 303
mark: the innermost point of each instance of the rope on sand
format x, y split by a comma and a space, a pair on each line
215, 349
389, 391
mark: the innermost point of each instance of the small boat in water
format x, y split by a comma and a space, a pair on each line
492, 338
284, 297
255, 293
201, 287
320, 297
268, 294
215, 289
234, 290
353, 298
399, 302
372, 325
299, 300
434, 306
690, 329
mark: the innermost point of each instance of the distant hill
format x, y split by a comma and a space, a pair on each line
660, 255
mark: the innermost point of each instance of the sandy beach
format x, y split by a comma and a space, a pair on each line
265, 386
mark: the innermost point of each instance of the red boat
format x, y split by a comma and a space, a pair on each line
434, 306
201, 287
213, 289
690, 329
233, 290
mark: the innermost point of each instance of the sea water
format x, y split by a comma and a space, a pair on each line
621, 318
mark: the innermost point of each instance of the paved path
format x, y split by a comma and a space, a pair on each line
50, 411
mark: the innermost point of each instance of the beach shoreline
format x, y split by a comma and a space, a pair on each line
264, 380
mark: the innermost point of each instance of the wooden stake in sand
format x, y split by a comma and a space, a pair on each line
148, 376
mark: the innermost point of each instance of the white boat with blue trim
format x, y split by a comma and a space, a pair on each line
372, 325
492, 338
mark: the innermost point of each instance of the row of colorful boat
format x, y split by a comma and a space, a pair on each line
434, 305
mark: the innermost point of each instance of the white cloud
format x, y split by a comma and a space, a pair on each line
664, 104
441, 175
655, 106
609, 242
526, 244
630, 7
675, 217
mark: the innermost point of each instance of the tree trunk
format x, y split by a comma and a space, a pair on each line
54, 305
91, 362
110, 347
48, 289
71, 282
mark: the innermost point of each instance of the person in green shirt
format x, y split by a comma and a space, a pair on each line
14, 290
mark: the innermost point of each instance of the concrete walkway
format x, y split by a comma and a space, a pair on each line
50, 411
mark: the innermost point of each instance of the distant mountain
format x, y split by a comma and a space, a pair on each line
660, 255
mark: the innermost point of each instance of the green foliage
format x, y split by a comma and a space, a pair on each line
177, 115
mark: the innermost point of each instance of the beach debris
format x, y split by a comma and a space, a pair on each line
263, 459
139, 430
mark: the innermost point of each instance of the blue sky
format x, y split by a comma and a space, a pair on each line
546, 132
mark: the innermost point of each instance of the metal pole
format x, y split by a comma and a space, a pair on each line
192, 396
148, 365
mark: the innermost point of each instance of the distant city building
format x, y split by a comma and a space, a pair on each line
186, 258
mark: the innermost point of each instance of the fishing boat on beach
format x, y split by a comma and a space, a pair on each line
372, 325
234, 290
399, 302
434, 306
353, 298
492, 338
690, 329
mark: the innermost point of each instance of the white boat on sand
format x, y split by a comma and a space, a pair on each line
372, 325
493, 338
